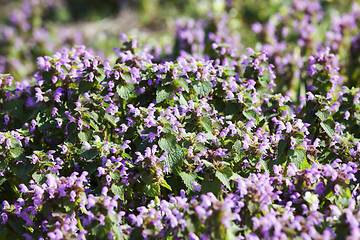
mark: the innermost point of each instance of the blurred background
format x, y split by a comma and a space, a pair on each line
33, 28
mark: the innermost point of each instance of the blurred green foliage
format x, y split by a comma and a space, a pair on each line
97, 24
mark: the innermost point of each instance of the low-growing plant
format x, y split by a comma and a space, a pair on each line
205, 146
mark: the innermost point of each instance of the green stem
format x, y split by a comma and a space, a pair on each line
14, 188
286, 166
78, 221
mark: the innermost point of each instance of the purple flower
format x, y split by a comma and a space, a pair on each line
87, 146
112, 109
192, 236
6, 119
64, 149
34, 159
59, 122
4, 217
250, 124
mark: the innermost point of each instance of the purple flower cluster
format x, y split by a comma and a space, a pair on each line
203, 146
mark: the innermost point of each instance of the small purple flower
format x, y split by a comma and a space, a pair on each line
87, 146
59, 122
34, 159
112, 109
64, 149
72, 196
6, 119
4, 217
193, 236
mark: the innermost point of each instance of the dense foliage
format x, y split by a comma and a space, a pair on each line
200, 141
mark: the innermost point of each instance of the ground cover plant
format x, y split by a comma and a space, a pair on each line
203, 141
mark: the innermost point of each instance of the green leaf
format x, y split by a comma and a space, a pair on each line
14, 107
39, 178
264, 80
3, 165
213, 186
175, 159
165, 185
224, 176
89, 154
329, 127
2, 180
183, 101
125, 90
249, 114
93, 115
115, 175
323, 115
253, 207
152, 190
168, 144
206, 122
297, 156
187, 179
163, 92
85, 136
202, 87
126, 76
249, 71
182, 82
85, 86
17, 225
304, 165
200, 146
237, 146
15, 153
281, 146
110, 118
117, 190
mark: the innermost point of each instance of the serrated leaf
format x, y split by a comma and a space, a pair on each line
323, 115
117, 190
264, 80
110, 118
39, 178
249, 114
93, 115
187, 178
237, 146
125, 90
115, 175
168, 144
152, 190
3, 165
85, 136
182, 82
163, 93
126, 76
297, 156
329, 127
206, 122
200, 146
16, 152
175, 159
202, 87
14, 107
224, 176
183, 101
